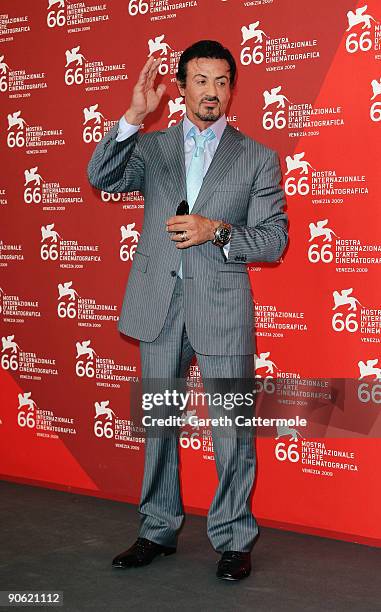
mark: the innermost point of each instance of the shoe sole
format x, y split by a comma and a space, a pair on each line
233, 579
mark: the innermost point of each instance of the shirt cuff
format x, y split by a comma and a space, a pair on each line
125, 130
226, 249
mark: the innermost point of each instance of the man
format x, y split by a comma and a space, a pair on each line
188, 291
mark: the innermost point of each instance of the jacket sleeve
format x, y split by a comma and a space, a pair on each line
117, 167
265, 236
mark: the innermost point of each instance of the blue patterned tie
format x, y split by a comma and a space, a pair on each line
195, 173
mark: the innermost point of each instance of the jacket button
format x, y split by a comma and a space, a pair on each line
173, 273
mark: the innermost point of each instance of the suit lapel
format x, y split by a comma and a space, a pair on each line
171, 145
229, 149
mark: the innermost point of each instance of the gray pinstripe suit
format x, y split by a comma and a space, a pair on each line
209, 313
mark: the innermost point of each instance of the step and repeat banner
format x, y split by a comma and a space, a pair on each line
309, 86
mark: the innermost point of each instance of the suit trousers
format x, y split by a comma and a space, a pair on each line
230, 522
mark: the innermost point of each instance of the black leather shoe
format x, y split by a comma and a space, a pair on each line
141, 553
234, 565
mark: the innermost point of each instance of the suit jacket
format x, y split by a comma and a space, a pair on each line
241, 187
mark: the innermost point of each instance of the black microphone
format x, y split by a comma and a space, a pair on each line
182, 209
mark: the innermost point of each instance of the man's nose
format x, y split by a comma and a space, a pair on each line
212, 91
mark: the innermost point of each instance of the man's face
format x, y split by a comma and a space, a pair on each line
207, 89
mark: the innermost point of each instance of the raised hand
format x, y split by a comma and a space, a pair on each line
145, 99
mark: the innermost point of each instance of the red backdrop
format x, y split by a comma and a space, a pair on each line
309, 87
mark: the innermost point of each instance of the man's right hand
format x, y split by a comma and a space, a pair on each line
144, 98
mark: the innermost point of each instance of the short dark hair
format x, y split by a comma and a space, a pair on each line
205, 48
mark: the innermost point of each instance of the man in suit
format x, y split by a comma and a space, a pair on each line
188, 291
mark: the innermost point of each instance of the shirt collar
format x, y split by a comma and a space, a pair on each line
217, 127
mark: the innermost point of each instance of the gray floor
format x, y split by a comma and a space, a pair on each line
60, 541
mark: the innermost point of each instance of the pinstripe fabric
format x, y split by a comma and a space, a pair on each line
241, 187
230, 523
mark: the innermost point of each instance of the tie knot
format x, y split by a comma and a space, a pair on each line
201, 139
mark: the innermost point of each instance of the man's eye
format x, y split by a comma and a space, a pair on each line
222, 83
200, 82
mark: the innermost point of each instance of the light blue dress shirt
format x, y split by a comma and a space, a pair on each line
125, 130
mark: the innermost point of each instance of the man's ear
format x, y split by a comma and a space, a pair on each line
180, 88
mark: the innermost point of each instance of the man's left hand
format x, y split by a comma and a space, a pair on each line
198, 229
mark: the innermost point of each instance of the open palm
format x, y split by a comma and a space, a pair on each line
145, 99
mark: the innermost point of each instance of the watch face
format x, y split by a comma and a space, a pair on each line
224, 234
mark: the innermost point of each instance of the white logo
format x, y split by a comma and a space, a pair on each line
262, 361
66, 309
299, 185
85, 367
359, 40
54, 246
249, 53
3, 75
73, 55
320, 252
84, 348
74, 75
369, 369
127, 232
32, 194
32, 176
16, 120
103, 428
376, 87
316, 251
61, 3
288, 431
49, 239
278, 52
9, 343
52, 192
375, 109
346, 321
26, 410
65, 289
274, 97
298, 163
344, 298
48, 232
20, 138
158, 44
251, 32
9, 360
176, 106
93, 132
25, 401
278, 120
92, 113
15, 359
359, 17
319, 229
103, 408
54, 18
3, 66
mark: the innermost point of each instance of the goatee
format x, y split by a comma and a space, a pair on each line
208, 116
